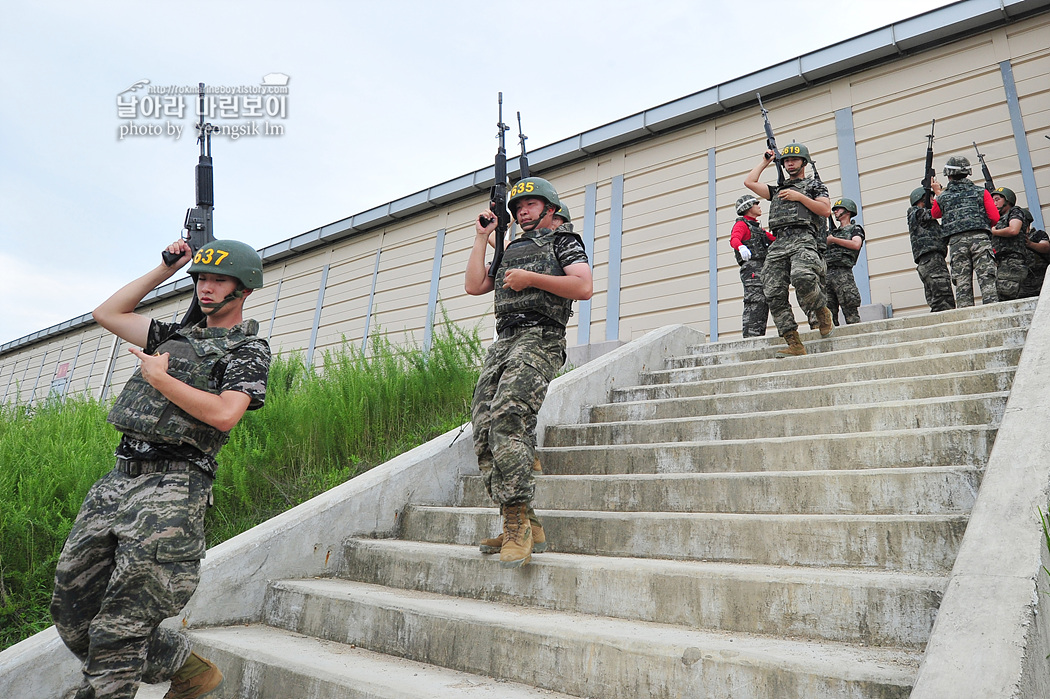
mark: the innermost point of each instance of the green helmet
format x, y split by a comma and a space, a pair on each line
744, 204
1007, 194
532, 187
847, 204
957, 166
916, 195
563, 212
231, 258
795, 150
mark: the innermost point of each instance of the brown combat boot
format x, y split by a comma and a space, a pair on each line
539, 539
794, 346
197, 676
827, 323
517, 537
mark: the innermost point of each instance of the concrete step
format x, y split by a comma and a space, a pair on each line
913, 490
860, 606
916, 543
946, 318
953, 363
861, 341
932, 446
1024, 307
839, 389
583, 655
686, 369
266, 662
982, 409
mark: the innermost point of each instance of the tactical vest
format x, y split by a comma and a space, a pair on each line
1018, 243
533, 252
838, 256
925, 233
784, 213
142, 412
758, 243
962, 208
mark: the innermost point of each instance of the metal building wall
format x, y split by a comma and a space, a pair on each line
645, 210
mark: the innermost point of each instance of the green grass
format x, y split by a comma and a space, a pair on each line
318, 429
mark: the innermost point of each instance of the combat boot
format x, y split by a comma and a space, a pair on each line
517, 537
539, 539
827, 323
794, 345
197, 676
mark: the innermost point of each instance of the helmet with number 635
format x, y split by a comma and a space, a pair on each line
532, 187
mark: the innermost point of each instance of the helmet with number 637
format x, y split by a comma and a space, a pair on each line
231, 258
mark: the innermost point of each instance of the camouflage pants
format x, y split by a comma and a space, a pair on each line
131, 560
756, 312
513, 383
842, 291
936, 281
1033, 283
1011, 270
970, 255
793, 259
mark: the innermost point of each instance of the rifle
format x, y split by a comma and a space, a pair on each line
198, 230
927, 180
988, 184
771, 143
831, 218
498, 194
523, 159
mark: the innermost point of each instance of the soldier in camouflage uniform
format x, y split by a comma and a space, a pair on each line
541, 273
1038, 260
1010, 242
967, 213
750, 243
796, 219
133, 556
844, 244
929, 246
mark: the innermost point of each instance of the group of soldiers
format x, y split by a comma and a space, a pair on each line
813, 245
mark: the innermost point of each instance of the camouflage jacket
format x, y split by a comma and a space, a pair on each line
926, 233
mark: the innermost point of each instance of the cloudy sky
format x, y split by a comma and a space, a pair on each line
384, 99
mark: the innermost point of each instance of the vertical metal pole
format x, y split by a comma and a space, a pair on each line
1024, 156
317, 316
849, 175
273, 314
590, 203
371, 300
612, 312
712, 242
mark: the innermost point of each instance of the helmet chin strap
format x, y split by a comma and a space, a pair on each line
531, 225
213, 306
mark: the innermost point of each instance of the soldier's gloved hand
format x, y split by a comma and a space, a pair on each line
745, 252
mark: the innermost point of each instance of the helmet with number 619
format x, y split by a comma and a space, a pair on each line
231, 258
795, 150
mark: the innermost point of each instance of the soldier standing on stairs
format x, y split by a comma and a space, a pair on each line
133, 556
796, 218
750, 243
542, 272
844, 244
929, 246
1010, 241
967, 213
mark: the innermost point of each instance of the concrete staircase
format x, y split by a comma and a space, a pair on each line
732, 526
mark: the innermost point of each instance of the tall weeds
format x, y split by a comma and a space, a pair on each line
317, 429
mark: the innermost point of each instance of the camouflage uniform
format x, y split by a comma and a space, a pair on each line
966, 224
794, 259
1037, 264
841, 286
928, 249
521, 363
756, 312
133, 556
1011, 256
